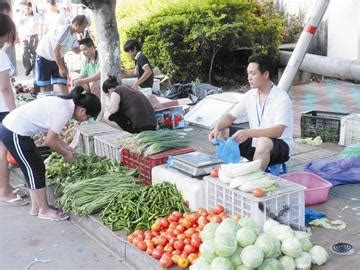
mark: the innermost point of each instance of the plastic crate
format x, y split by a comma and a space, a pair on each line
316, 188
87, 133
108, 145
323, 124
285, 205
350, 129
145, 164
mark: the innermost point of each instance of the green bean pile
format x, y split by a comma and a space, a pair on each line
89, 196
139, 208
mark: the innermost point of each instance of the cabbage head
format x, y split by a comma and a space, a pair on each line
207, 251
245, 236
225, 245
252, 256
291, 247
304, 238
235, 258
208, 233
304, 261
287, 262
221, 263
249, 223
243, 267
271, 264
269, 224
318, 255
200, 264
282, 232
269, 245
227, 226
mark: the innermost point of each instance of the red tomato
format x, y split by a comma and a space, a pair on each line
131, 238
177, 213
195, 241
181, 236
192, 257
187, 241
186, 223
176, 252
202, 220
214, 173
157, 253
149, 243
172, 225
164, 223
172, 241
179, 245
150, 251
215, 219
183, 262
258, 192
202, 211
180, 227
218, 209
142, 245
175, 258
11, 159
189, 249
138, 232
156, 226
173, 218
136, 240
168, 248
176, 232
162, 240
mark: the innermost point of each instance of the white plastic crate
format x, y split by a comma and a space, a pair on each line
87, 133
286, 204
350, 129
108, 145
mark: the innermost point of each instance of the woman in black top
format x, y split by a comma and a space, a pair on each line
128, 108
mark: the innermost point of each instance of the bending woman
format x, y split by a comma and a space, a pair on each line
50, 115
129, 109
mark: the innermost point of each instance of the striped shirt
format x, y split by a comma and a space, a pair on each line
61, 36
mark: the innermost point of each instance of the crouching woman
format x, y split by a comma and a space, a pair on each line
44, 115
129, 109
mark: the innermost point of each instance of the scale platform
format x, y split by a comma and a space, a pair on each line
195, 163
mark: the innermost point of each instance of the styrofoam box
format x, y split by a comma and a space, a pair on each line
131, 81
350, 129
286, 204
192, 189
108, 145
87, 133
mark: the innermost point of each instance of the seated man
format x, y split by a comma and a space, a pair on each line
90, 72
269, 110
143, 70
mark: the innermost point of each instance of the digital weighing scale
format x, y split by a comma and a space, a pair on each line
194, 163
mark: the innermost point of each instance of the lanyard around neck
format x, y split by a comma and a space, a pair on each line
258, 108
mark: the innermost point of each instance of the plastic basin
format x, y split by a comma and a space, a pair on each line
316, 188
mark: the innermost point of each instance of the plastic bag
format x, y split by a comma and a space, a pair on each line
228, 151
352, 150
338, 171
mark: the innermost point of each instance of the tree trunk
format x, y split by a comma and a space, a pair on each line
215, 51
107, 40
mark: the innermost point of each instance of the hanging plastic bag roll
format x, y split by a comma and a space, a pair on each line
228, 151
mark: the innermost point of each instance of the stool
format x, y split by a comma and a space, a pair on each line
277, 169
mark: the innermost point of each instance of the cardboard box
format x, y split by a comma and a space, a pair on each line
172, 117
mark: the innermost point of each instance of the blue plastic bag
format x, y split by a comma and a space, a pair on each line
338, 171
228, 151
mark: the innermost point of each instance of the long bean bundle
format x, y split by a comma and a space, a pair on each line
89, 196
139, 208
154, 141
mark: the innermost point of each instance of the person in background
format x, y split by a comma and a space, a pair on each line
269, 110
30, 36
42, 116
143, 70
129, 109
8, 48
50, 66
12, 196
90, 71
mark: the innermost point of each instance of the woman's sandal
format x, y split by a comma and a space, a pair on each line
58, 216
17, 201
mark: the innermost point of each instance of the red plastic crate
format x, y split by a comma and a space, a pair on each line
145, 164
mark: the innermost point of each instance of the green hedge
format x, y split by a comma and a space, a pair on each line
183, 38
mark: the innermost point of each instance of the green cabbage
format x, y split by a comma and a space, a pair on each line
282, 232
200, 264
269, 224
318, 255
208, 233
221, 263
245, 236
291, 247
271, 264
287, 262
243, 267
269, 245
304, 261
304, 238
225, 245
227, 226
235, 258
207, 251
249, 223
252, 256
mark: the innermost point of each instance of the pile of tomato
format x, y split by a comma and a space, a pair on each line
175, 240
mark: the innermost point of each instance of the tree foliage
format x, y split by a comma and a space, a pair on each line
183, 38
